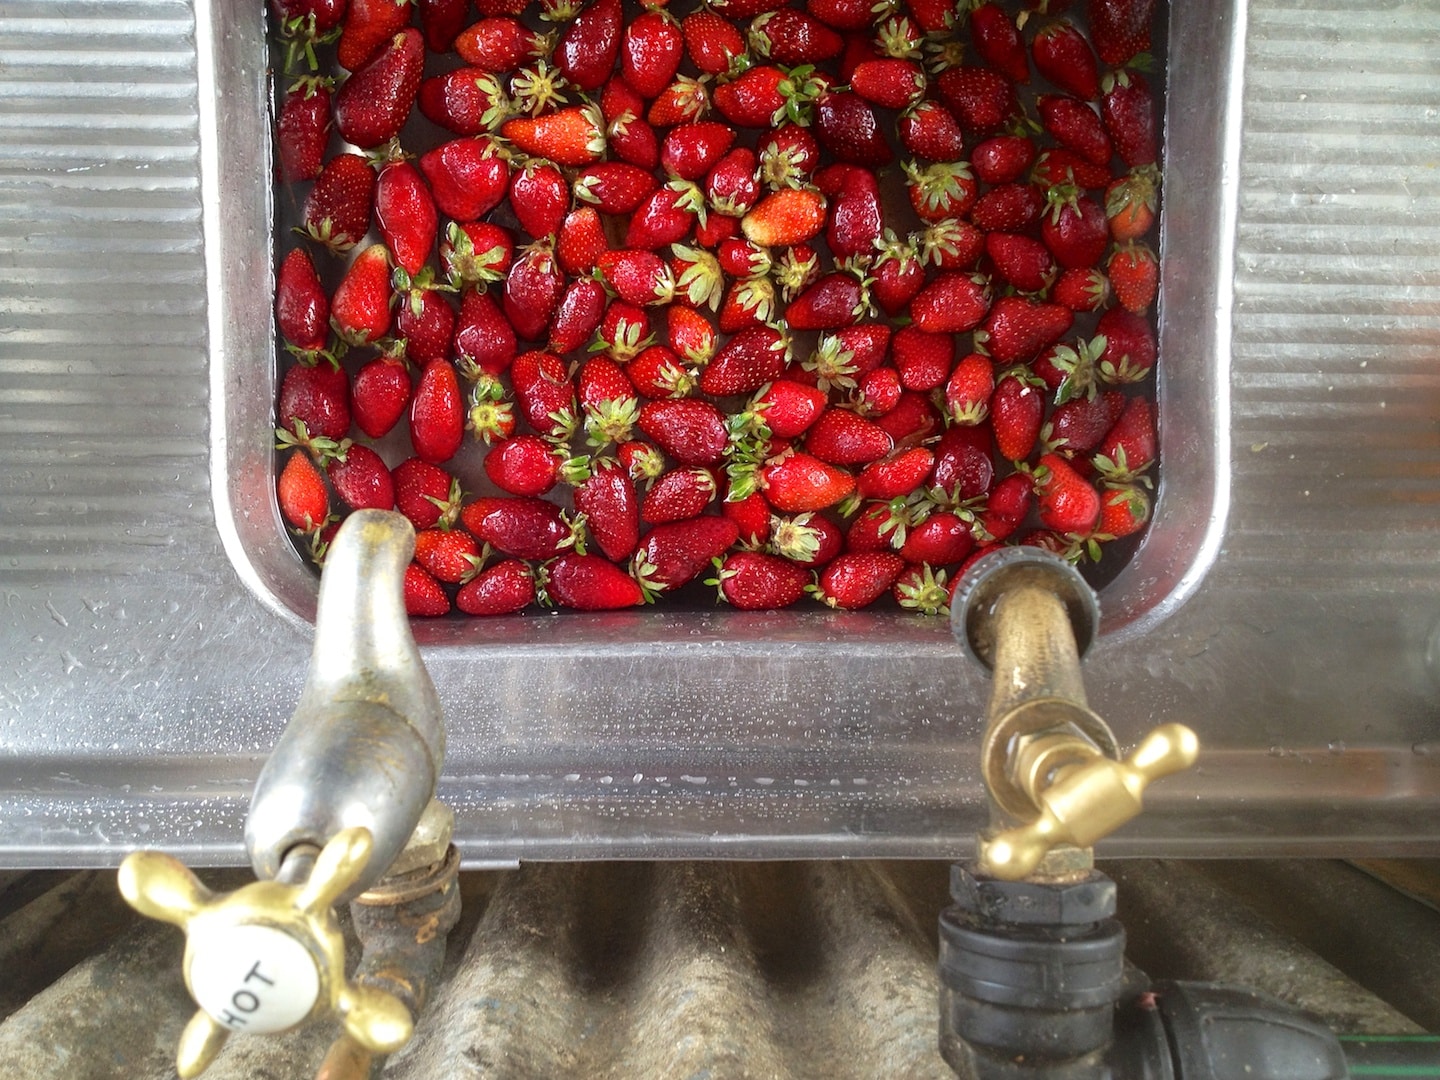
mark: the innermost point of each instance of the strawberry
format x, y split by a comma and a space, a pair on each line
665, 217
673, 554
540, 198
1124, 511
968, 390
896, 475
1134, 275
942, 538
997, 40
638, 277
1131, 202
1081, 289
426, 494
941, 190
304, 502
1016, 329
889, 83
856, 218
373, 104
601, 381
631, 139
924, 360
503, 589
1077, 426
588, 47
743, 259
1021, 261
807, 539
337, 210
523, 465
841, 14
690, 431
788, 156
795, 269
651, 48
749, 360
1059, 165
713, 43
314, 405
424, 596
678, 495
361, 479
1074, 227
835, 300
607, 499
690, 335
441, 22
484, 339
405, 213
786, 217
1128, 448
1064, 57
467, 101
788, 408
437, 414
1128, 112
691, 150
368, 25
380, 394
449, 555
684, 101
475, 253
846, 125
732, 187
1007, 506
532, 291
1008, 208
1067, 371
578, 315
503, 43
803, 482
1002, 159
964, 464
790, 37
899, 275
754, 581
952, 303
572, 136
624, 332
587, 583
614, 187
856, 580
1130, 347
877, 392
751, 515
1066, 501
748, 303
841, 437
929, 130
302, 130
302, 310
581, 241
878, 527
1120, 29
522, 527
424, 319
913, 418
545, 393
303, 24
1017, 407
982, 100
467, 177
921, 589
1074, 124
360, 308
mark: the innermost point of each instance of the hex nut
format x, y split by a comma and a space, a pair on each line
1081, 902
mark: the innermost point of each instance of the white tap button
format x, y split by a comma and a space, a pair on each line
256, 979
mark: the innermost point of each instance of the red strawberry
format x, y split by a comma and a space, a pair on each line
895, 476
607, 499
732, 187
913, 417
372, 105
588, 583
835, 300
804, 482
449, 555
878, 391
638, 277
878, 527
924, 360
614, 187
381, 393
841, 437
856, 580
305, 24
941, 539
788, 408
665, 217
1016, 329
624, 332
1130, 347
691, 336
503, 43
405, 213
1008, 208
790, 37
545, 393
437, 414
1128, 112
967, 393
1020, 260
424, 319
484, 339
1017, 408
1007, 506
889, 83
1077, 426
424, 596
578, 315
467, 177
587, 50
1081, 289
1064, 57
581, 241
941, 190
503, 589
807, 539
684, 101
1131, 202
361, 479
360, 308
572, 136
964, 463
540, 198
1128, 448
787, 217
690, 431
1060, 165
997, 40
840, 14
426, 494
1074, 124
304, 502
1124, 511
475, 253
441, 21
1002, 159
899, 274
951, 304
676, 553
368, 25
524, 528
1066, 501
651, 48
754, 581
929, 130
302, 130
982, 100
1120, 28
631, 139
751, 515
1074, 227
532, 291
337, 210
712, 43
678, 495
748, 361
788, 156
921, 589
1135, 276
467, 101
523, 465
302, 310
846, 125
856, 216
692, 150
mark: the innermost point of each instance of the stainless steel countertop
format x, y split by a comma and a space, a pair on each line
142, 683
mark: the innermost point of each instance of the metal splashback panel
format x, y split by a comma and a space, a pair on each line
144, 682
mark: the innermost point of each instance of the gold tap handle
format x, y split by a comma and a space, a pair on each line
1089, 801
268, 956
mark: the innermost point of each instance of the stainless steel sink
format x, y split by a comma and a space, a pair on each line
1285, 603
